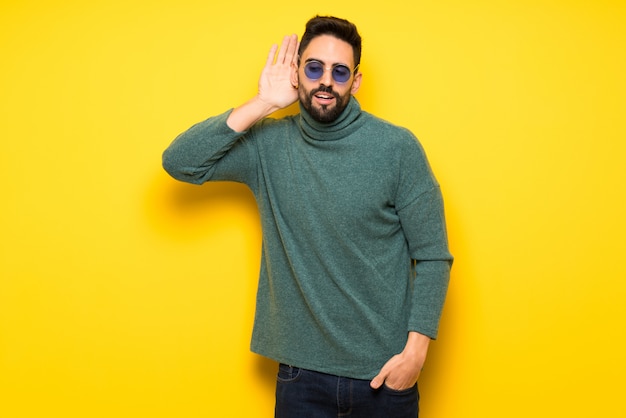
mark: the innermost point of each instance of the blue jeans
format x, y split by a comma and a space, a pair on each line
304, 393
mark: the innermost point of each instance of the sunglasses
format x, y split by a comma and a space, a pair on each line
314, 70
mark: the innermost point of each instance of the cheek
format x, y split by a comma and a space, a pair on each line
303, 94
344, 91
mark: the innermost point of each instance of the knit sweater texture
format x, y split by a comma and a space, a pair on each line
354, 250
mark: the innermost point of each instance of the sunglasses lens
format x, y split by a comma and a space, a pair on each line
341, 73
314, 70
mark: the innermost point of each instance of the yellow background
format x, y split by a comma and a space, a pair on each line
126, 294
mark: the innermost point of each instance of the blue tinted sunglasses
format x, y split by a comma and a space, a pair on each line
314, 70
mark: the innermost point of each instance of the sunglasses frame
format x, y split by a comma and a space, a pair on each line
331, 69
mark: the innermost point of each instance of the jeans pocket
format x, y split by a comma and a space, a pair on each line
287, 374
401, 403
409, 391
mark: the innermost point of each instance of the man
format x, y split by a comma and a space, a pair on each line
355, 263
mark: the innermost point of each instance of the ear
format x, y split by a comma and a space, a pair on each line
295, 79
356, 83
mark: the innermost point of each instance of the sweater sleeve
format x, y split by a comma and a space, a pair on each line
424, 225
421, 213
199, 154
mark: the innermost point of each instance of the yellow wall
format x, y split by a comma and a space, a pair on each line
126, 294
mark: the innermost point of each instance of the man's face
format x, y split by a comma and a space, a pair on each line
325, 98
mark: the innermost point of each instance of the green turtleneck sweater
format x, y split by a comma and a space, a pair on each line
355, 250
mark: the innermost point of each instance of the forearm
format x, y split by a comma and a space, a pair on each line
429, 293
423, 223
192, 155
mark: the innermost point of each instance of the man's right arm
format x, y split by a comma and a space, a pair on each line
194, 153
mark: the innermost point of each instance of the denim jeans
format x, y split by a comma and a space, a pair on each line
304, 393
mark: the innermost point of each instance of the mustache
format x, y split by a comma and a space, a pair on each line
325, 89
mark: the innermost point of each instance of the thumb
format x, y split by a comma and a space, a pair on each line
378, 380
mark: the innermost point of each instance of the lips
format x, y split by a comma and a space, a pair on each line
324, 97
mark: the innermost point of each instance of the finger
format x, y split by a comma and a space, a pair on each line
296, 56
292, 49
376, 383
283, 50
271, 55
379, 379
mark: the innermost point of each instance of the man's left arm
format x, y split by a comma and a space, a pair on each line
421, 214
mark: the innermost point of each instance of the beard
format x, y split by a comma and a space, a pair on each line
324, 113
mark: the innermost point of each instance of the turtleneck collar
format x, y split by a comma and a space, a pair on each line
348, 121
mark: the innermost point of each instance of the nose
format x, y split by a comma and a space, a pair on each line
327, 77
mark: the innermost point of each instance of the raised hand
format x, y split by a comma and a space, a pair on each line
275, 85
276, 90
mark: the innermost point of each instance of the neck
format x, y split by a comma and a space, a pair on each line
345, 123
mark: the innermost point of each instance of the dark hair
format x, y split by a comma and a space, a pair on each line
334, 26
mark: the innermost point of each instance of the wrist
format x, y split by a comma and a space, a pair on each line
249, 113
263, 107
416, 345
